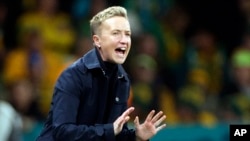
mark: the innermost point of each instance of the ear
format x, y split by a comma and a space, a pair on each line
96, 40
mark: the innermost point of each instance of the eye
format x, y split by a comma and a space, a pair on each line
115, 33
128, 34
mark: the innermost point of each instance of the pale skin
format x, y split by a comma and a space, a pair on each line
144, 131
114, 33
113, 41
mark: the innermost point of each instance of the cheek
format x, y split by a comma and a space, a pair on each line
129, 43
108, 42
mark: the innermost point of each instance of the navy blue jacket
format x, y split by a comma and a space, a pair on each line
79, 102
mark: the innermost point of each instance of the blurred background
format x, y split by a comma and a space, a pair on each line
190, 59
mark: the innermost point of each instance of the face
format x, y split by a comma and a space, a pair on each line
114, 39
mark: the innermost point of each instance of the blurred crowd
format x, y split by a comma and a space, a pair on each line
193, 79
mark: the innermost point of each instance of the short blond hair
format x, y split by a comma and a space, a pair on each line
105, 14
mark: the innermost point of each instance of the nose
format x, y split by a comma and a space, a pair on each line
125, 38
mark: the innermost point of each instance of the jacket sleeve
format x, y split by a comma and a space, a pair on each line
65, 107
126, 134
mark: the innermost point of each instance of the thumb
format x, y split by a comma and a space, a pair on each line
136, 121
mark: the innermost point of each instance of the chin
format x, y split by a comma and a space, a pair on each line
119, 61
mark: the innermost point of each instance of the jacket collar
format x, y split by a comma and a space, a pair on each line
91, 59
92, 62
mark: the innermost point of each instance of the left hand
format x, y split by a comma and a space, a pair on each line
150, 127
121, 120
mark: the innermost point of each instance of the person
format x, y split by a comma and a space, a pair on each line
90, 96
11, 123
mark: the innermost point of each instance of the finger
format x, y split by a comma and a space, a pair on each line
150, 115
157, 116
123, 121
158, 122
160, 127
126, 119
136, 121
128, 112
120, 121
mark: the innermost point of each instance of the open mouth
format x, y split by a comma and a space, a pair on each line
121, 50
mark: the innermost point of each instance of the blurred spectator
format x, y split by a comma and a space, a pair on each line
11, 123
29, 61
236, 94
173, 46
83, 45
134, 17
145, 16
205, 62
206, 53
148, 11
143, 72
148, 89
148, 44
82, 10
23, 99
192, 100
145, 43
55, 26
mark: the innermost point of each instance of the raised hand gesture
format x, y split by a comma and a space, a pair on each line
120, 121
150, 127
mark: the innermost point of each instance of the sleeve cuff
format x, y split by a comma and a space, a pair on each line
109, 132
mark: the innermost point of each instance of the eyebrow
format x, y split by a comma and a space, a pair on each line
119, 30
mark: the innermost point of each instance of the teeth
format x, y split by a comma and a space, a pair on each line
123, 48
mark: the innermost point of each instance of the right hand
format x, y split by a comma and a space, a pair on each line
121, 120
